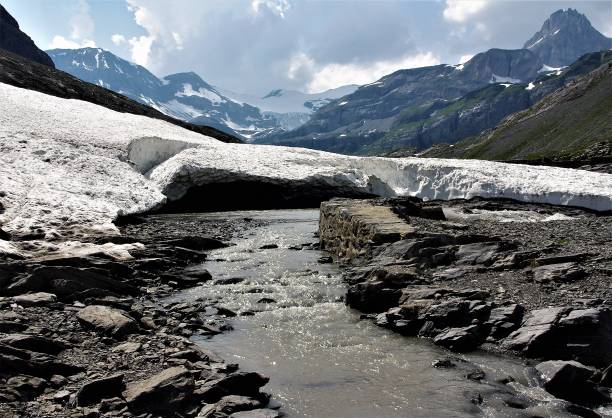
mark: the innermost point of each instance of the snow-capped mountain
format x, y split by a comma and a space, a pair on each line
565, 36
185, 95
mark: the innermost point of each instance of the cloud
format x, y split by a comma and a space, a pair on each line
334, 75
59, 42
141, 48
461, 10
465, 58
278, 7
118, 39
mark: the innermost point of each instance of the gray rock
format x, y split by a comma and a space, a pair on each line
34, 343
563, 272
257, 413
569, 380
94, 391
228, 405
504, 320
35, 299
28, 387
535, 333
163, 392
107, 320
460, 339
479, 253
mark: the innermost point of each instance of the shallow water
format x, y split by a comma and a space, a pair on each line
321, 359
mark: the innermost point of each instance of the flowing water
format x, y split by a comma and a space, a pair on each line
322, 360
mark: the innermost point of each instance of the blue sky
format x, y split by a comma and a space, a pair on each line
254, 46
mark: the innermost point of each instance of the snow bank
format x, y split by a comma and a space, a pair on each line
68, 168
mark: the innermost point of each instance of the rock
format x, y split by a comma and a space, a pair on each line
268, 247
454, 312
237, 383
257, 413
460, 339
478, 253
536, 332
35, 299
586, 335
17, 361
443, 364
266, 300
504, 320
325, 260
372, 296
128, 347
563, 272
61, 396
606, 377
28, 387
94, 391
569, 380
230, 280
195, 243
164, 392
34, 343
107, 320
198, 272
228, 405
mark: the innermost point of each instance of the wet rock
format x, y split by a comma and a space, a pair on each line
443, 364
564, 272
228, 405
447, 314
94, 391
476, 375
569, 380
195, 243
163, 392
229, 280
586, 335
257, 413
372, 296
35, 299
266, 300
268, 247
460, 339
325, 260
198, 272
238, 383
34, 343
107, 320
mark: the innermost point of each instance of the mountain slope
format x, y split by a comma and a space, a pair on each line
20, 72
12, 39
566, 36
184, 96
571, 123
420, 107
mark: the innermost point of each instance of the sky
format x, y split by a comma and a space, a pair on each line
255, 46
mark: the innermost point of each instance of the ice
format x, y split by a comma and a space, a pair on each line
68, 168
530, 86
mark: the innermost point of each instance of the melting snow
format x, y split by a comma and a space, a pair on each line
68, 168
531, 86
535, 43
342, 103
547, 69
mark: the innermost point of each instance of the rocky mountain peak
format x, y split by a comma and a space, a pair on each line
14, 40
565, 36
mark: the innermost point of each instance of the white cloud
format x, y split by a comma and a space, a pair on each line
461, 10
60, 42
141, 48
118, 39
278, 7
465, 58
82, 24
335, 75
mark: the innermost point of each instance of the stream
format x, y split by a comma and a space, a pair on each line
322, 360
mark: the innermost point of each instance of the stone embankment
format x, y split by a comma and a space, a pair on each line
540, 288
92, 337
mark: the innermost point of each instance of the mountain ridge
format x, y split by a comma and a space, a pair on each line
12, 39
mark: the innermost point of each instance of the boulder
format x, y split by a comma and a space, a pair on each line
163, 392
28, 387
34, 343
35, 299
460, 339
569, 380
110, 321
536, 332
504, 320
586, 335
228, 405
237, 383
478, 253
454, 312
563, 272
372, 296
105, 388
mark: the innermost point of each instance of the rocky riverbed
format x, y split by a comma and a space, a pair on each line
90, 336
530, 280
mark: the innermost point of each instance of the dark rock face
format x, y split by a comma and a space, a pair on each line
565, 36
14, 40
570, 380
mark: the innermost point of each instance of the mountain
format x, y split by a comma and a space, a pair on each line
14, 40
20, 72
565, 36
184, 96
573, 122
350, 124
419, 107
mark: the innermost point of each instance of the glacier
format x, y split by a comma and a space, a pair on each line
69, 168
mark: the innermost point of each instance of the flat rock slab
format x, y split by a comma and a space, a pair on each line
562, 272
107, 320
163, 392
35, 299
